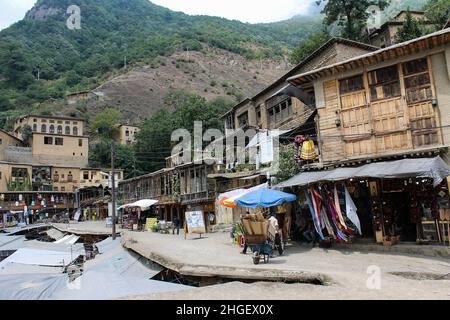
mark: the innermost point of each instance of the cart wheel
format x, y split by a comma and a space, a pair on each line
280, 250
256, 257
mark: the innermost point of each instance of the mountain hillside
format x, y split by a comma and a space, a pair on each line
50, 60
133, 52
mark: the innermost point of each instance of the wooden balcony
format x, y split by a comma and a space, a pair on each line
8, 206
204, 196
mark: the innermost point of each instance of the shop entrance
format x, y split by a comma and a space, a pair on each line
361, 195
396, 210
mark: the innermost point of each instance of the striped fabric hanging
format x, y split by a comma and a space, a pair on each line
338, 207
314, 216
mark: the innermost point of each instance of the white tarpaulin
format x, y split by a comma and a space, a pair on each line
55, 234
69, 239
114, 273
433, 168
42, 257
143, 204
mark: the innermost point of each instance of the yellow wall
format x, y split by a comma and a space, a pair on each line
5, 141
131, 138
6, 170
48, 121
70, 153
63, 184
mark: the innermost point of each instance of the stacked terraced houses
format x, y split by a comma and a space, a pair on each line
359, 104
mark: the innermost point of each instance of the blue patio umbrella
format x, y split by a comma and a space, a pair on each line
264, 198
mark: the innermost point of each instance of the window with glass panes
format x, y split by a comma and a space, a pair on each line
384, 83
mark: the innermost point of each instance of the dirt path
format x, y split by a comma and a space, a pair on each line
347, 273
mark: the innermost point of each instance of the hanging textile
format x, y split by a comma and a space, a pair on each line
316, 210
308, 150
340, 234
314, 216
321, 208
327, 224
337, 206
351, 211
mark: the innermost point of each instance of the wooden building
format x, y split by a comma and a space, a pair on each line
275, 107
392, 104
386, 34
393, 101
178, 188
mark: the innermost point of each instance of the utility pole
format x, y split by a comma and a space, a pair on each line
113, 190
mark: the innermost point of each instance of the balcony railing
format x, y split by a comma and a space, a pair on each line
198, 196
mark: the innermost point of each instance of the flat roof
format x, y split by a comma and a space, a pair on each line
417, 45
51, 117
60, 135
129, 125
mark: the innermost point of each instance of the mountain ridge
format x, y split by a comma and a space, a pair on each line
51, 61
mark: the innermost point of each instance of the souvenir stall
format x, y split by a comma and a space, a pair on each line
134, 215
413, 210
404, 200
37, 205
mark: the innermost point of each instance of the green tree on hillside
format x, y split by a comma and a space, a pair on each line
351, 15
100, 157
307, 47
14, 64
27, 133
106, 125
438, 12
411, 29
154, 140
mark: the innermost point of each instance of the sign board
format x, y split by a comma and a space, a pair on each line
109, 222
150, 222
110, 208
195, 222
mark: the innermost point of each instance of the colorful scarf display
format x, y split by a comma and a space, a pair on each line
328, 215
314, 216
338, 207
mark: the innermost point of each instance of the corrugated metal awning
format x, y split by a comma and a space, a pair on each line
433, 168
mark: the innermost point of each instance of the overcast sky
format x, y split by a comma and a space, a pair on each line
252, 11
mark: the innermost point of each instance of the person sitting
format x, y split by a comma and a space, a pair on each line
310, 233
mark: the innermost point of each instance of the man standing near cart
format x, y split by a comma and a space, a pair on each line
278, 232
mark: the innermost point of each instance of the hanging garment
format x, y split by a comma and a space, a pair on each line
339, 233
351, 211
308, 150
316, 210
327, 224
337, 206
314, 216
321, 205
299, 140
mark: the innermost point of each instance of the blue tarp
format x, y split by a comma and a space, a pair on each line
265, 198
